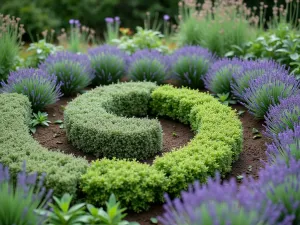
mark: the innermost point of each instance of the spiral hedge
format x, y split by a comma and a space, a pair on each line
17, 145
217, 143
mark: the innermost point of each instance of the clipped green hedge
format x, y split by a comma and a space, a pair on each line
135, 184
99, 122
217, 144
17, 145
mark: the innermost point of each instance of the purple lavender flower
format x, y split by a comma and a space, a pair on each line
72, 70
286, 145
21, 200
283, 116
251, 70
190, 64
220, 75
210, 204
166, 17
109, 64
278, 186
117, 19
109, 20
71, 21
41, 88
148, 65
268, 90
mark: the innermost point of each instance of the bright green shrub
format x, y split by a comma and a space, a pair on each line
17, 146
136, 185
216, 145
96, 118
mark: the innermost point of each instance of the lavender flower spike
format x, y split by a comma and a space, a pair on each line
109, 20
166, 17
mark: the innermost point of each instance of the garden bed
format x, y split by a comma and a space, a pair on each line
176, 134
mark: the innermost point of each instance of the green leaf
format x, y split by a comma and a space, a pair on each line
58, 122
240, 177
61, 126
255, 131
294, 56
153, 220
240, 112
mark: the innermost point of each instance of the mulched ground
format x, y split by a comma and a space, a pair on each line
175, 135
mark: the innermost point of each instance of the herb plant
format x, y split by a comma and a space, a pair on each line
39, 118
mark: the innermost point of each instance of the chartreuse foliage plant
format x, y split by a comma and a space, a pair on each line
17, 145
93, 119
217, 143
19, 199
135, 184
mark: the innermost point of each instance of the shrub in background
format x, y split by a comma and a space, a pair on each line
106, 113
268, 90
135, 185
219, 77
252, 70
142, 39
10, 42
190, 64
210, 204
20, 199
148, 65
63, 171
39, 52
283, 116
41, 88
109, 64
286, 145
216, 25
73, 71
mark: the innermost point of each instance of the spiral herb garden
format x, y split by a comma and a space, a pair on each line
163, 117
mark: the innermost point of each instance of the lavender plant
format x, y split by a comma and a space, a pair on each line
278, 185
20, 199
41, 88
268, 90
190, 64
211, 204
109, 64
10, 42
148, 65
283, 116
73, 71
252, 70
286, 145
220, 75
112, 26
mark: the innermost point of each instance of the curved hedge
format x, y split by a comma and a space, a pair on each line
216, 145
17, 145
97, 122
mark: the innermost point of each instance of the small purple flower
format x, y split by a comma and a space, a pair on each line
71, 21
117, 19
109, 20
166, 17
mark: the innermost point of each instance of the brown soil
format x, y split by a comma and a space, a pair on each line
175, 135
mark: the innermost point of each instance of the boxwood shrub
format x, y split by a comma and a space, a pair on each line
17, 145
217, 144
100, 122
135, 184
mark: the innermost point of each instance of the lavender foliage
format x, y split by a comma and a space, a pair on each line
72, 70
109, 64
41, 88
268, 90
148, 65
278, 185
283, 116
252, 70
211, 204
220, 75
20, 199
190, 64
286, 145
